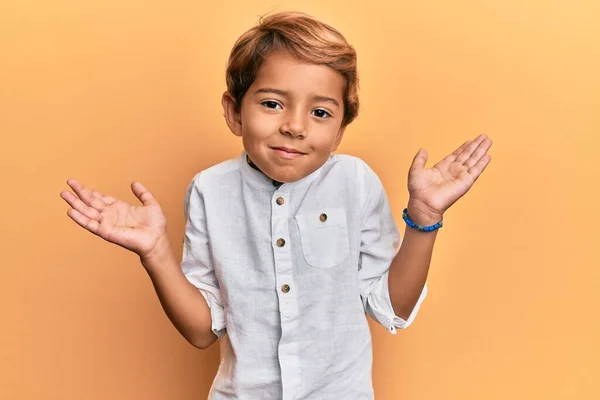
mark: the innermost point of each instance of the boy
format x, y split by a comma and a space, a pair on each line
288, 246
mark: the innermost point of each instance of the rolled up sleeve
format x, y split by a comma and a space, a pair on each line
196, 261
379, 306
380, 242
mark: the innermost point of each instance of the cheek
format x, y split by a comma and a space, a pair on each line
257, 125
324, 138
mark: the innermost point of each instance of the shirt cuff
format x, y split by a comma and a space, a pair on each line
217, 314
380, 307
398, 322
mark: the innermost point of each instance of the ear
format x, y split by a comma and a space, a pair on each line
338, 138
232, 116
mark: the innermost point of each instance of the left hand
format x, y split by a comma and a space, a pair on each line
433, 190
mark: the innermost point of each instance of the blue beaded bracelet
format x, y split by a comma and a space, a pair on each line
420, 227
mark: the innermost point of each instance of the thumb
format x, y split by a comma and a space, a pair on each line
143, 194
419, 160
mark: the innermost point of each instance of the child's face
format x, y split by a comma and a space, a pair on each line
291, 116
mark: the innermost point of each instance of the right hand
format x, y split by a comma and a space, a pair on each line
136, 228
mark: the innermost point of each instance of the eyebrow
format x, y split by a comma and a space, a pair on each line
285, 94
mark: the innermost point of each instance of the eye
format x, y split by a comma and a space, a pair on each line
319, 112
270, 104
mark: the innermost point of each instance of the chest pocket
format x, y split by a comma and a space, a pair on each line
324, 237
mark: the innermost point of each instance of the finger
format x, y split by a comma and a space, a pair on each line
469, 149
480, 138
451, 157
83, 221
86, 195
419, 160
108, 200
476, 170
454, 156
143, 194
479, 152
80, 206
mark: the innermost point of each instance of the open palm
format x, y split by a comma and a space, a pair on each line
437, 188
136, 228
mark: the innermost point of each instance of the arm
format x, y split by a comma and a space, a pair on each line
432, 191
189, 292
189, 303
185, 306
409, 269
379, 249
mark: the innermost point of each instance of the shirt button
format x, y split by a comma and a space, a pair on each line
285, 288
323, 217
280, 242
280, 200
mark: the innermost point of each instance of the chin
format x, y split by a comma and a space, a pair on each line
286, 175
285, 178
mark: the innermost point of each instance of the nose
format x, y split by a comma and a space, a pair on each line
294, 125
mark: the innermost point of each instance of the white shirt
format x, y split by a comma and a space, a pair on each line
288, 273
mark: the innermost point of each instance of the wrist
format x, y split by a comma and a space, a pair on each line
160, 254
422, 215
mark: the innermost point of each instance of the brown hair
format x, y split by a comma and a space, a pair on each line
306, 39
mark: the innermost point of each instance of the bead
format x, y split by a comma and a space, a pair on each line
420, 228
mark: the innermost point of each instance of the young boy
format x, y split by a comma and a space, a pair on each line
288, 246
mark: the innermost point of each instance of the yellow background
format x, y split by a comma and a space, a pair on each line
112, 91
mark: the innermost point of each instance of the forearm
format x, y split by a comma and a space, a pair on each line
409, 269
184, 305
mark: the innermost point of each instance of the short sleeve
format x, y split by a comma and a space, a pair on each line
379, 244
196, 262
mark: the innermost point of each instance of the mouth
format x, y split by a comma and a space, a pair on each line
288, 150
287, 153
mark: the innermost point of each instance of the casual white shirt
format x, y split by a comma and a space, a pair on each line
289, 273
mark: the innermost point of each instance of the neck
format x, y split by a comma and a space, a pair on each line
275, 183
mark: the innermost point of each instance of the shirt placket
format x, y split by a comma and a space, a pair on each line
287, 294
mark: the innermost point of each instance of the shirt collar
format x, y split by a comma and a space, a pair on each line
251, 173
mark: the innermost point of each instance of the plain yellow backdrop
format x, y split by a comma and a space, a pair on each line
112, 91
